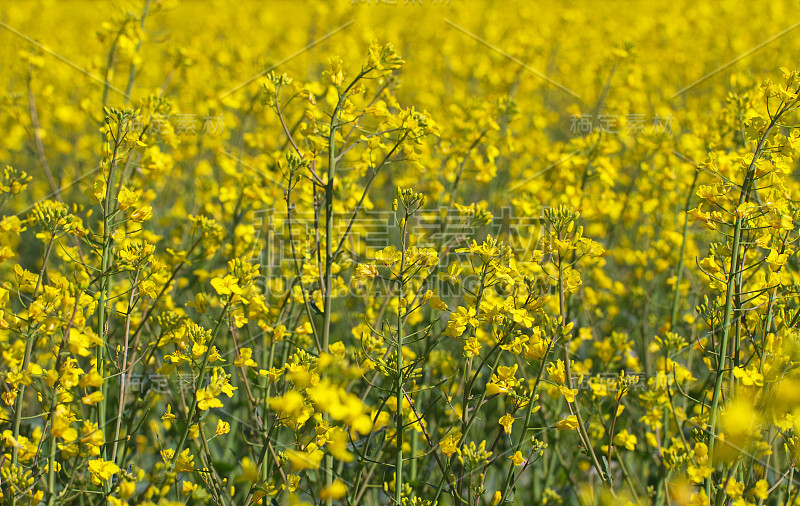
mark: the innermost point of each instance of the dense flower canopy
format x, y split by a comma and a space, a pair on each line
413, 252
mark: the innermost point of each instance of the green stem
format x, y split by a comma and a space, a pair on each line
465, 429
398, 481
584, 435
733, 274
526, 424
326, 290
26, 360
199, 384
105, 286
122, 383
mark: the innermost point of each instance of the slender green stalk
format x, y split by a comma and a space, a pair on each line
326, 289
398, 481
199, 384
216, 487
267, 392
105, 287
789, 486
584, 435
122, 383
327, 298
734, 273
526, 423
465, 429
26, 361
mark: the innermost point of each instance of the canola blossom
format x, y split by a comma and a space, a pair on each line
410, 252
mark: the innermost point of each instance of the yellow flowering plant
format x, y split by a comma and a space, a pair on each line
399, 252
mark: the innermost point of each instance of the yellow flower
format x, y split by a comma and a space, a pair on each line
388, 255
188, 487
292, 482
749, 377
244, 359
761, 489
449, 444
62, 418
697, 474
127, 488
239, 319
537, 347
338, 443
366, 271
734, 489
102, 470
335, 490
437, 303
126, 198
200, 303
522, 316
9, 397
572, 280
198, 350
207, 400
626, 440
97, 193
464, 317
273, 374
569, 394
141, 214
454, 329
184, 463
517, 459
337, 349
167, 454
93, 398
340, 405
776, 260
556, 372
226, 286
300, 460
289, 405
249, 471
222, 428
214, 356
506, 420
91, 436
568, 423
701, 451
472, 347
506, 373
